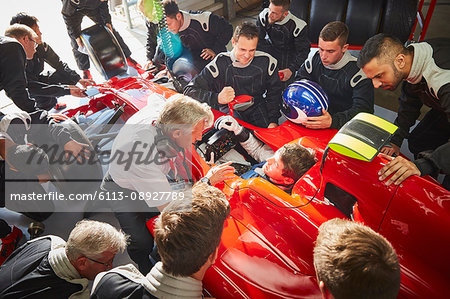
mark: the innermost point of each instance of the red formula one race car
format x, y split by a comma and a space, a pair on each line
267, 243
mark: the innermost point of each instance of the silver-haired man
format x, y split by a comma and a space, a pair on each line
151, 164
49, 267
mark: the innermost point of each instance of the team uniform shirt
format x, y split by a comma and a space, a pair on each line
259, 79
349, 90
200, 30
428, 83
286, 40
41, 269
127, 282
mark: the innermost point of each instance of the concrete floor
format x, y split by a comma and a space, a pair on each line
54, 33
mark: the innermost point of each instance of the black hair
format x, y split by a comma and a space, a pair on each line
379, 45
24, 18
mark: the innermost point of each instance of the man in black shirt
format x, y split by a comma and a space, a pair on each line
335, 70
202, 34
243, 71
45, 88
424, 69
48, 267
284, 36
73, 12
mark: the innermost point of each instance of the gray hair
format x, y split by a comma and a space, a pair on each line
92, 238
182, 113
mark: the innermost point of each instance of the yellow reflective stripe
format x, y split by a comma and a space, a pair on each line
352, 147
377, 121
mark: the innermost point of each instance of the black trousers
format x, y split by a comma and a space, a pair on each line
133, 224
75, 22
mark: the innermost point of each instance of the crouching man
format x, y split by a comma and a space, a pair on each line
187, 234
48, 267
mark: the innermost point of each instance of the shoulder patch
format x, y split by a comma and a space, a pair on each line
299, 24
262, 16
435, 76
309, 63
358, 77
272, 65
203, 19
212, 66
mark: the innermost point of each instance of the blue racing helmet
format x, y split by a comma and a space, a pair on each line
303, 98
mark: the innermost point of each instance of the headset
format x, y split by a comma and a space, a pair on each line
165, 145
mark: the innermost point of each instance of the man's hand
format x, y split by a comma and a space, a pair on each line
219, 173
148, 65
76, 149
399, 167
76, 91
109, 26
79, 42
207, 54
287, 73
319, 122
227, 122
86, 82
391, 150
272, 125
226, 95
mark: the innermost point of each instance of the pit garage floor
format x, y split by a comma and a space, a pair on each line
55, 34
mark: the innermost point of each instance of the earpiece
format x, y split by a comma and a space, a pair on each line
165, 145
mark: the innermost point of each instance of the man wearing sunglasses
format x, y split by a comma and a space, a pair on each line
48, 267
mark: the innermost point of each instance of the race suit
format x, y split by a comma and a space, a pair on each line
286, 40
259, 79
349, 90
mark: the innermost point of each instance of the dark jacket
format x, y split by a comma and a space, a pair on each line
200, 30
286, 40
430, 87
349, 90
27, 273
259, 79
12, 73
62, 74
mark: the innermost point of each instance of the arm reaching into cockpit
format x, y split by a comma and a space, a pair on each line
255, 148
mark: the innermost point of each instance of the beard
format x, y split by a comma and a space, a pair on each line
398, 77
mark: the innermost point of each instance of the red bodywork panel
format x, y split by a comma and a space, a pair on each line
267, 243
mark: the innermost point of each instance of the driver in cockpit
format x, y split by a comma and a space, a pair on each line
282, 168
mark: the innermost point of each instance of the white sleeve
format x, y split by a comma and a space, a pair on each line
257, 149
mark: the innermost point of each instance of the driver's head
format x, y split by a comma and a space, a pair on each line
289, 163
183, 119
174, 18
